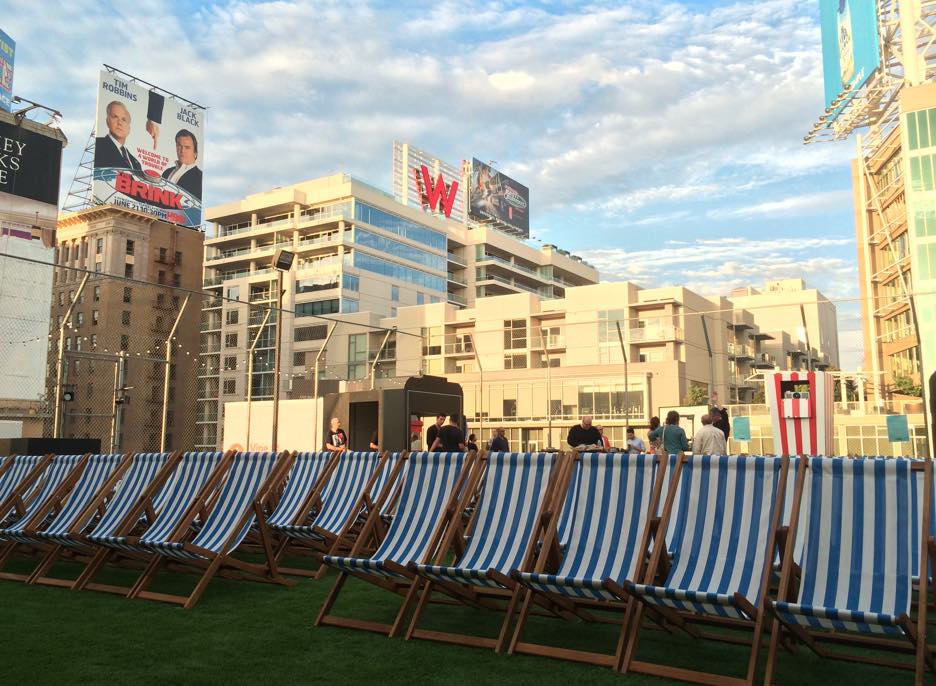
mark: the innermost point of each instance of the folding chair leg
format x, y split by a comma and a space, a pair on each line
5, 553
91, 569
420, 607
404, 608
203, 582
775, 630
508, 617
146, 576
45, 565
331, 598
634, 634
521, 622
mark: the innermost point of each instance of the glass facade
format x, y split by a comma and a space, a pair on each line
398, 271
401, 227
399, 250
317, 307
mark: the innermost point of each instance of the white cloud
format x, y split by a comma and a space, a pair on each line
809, 203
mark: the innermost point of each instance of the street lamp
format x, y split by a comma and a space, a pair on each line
282, 262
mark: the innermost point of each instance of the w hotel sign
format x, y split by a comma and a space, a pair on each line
435, 194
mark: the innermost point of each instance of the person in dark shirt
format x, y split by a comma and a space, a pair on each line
584, 434
472, 443
500, 444
451, 439
337, 438
719, 417
374, 443
433, 430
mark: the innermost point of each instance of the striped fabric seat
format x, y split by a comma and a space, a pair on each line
426, 487
59, 469
249, 471
381, 481
184, 484
305, 472
916, 495
98, 470
855, 564
514, 489
13, 476
614, 494
723, 511
567, 514
143, 469
339, 497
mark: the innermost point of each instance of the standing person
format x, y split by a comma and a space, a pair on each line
605, 441
500, 444
635, 445
337, 440
433, 431
709, 440
374, 442
584, 436
720, 416
671, 435
451, 439
472, 443
654, 425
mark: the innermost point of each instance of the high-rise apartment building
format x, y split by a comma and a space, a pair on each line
360, 254
139, 270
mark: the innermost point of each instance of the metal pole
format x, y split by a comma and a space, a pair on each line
318, 357
474, 349
250, 354
373, 369
626, 381
120, 374
165, 406
113, 436
276, 357
60, 358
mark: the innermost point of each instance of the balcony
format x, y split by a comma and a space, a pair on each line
764, 361
455, 278
457, 299
740, 352
656, 333
455, 259
210, 281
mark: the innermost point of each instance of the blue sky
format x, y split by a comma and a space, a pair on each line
660, 140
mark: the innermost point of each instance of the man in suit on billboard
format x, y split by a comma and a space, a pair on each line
111, 150
185, 173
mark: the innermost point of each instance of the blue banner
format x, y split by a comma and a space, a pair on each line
897, 428
851, 49
741, 428
7, 51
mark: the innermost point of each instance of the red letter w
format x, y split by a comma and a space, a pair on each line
433, 193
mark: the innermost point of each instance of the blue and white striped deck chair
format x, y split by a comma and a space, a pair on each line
58, 470
856, 574
16, 471
917, 508
507, 528
140, 472
727, 510
341, 498
430, 487
229, 520
608, 541
567, 513
306, 469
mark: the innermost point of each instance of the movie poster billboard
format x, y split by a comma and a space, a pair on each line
494, 196
148, 151
7, 52
851, 49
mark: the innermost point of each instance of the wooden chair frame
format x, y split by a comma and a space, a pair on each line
17, 498
507, 597
915, 631
406, 583
628, 663
569, 607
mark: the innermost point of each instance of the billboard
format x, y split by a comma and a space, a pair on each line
30, 163
494, 196
850, 44
148, 151
7, 52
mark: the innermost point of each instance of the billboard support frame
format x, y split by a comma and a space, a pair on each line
162, 91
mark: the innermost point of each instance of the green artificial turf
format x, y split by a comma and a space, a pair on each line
242, 632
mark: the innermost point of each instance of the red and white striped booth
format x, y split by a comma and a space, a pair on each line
801, 412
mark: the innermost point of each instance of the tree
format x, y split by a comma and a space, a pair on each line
904, 386
696, 395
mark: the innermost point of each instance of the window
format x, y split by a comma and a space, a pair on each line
349, 305
71, 296
94, 341
230, 363
398, 271
163, 254
128, 271
61, 298
230, 386
127, 294
178, 258
311, 333
80, 318
95, 317
161, 276
65, 252
400, 250
68, 343
230, 340
125, 318
230, 316
177, 280
175, 302
125, 342
401, 227
81, 298
317, 283
515, 362
78, 343
357, 355
77, 367
299, 359
510, 407
515, 337
99, 246
393, 311
394, 293
129, 247
97, 267
232, 293
420, 298
350, 282
317, 307
89, 391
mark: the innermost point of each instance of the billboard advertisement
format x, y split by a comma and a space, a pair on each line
850, 44
7, 52
494, 196
30, 163
148, 151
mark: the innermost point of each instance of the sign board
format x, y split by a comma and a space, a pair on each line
7, 52
494, 196
851, 49
898, 429
741, 429
148, 152
30, 164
